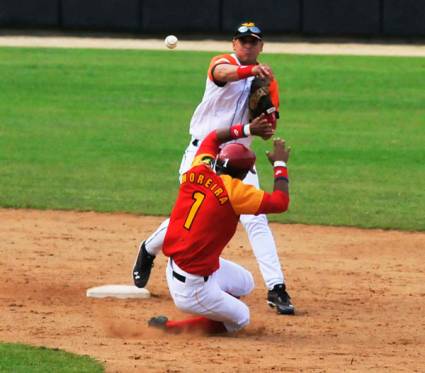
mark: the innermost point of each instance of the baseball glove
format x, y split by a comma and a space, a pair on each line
260, 101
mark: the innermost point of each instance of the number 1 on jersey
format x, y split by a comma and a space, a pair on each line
198, 198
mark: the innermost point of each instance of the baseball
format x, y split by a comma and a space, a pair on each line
171, 41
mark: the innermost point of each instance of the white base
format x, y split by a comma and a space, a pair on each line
118, 291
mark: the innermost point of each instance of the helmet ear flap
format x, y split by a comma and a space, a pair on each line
217, 165
222, 167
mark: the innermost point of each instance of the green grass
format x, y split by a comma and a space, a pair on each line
105, 130
18, 358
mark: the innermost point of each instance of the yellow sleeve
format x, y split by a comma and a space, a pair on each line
244, 198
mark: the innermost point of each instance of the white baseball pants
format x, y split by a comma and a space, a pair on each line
215, 297
259, 233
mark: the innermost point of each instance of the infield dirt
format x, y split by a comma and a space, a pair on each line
360, 298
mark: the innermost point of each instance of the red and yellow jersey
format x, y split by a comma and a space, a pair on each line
205, 217
207, 210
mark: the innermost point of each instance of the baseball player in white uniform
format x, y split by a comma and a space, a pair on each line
225, 102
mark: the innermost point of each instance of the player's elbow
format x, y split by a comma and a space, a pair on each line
220, 75
285, 206
282, 205
280, 201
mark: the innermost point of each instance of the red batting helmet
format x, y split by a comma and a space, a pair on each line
235, 158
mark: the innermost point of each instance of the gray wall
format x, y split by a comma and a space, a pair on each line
27, 13
300, 17
332, 17
175, 16
100, 14
404, 17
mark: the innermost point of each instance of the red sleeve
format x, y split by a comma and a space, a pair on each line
273, 203
210, 145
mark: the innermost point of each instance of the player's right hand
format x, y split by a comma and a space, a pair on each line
263, 71
280, 151
261, 127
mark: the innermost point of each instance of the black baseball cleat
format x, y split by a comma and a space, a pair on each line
159, 322
142, 267
279, 298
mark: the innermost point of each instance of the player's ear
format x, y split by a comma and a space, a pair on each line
261, 45
234, 41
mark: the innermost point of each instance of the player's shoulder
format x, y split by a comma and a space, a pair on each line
236, 186
232, 184
227, 179
204, 160
223, 58
245, 198
218, 60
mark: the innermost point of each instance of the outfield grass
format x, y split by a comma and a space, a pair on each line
19, 358
105, 130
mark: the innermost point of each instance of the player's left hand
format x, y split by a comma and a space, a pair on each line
261, 127
280, 151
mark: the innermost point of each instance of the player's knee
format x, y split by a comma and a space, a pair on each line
249, 284
243, 286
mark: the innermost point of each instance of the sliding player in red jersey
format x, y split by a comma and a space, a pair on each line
211, 199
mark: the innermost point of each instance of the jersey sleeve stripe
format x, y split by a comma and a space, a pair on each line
218, 60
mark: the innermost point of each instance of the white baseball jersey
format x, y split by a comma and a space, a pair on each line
222, 106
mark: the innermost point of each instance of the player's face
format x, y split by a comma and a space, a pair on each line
247, 49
